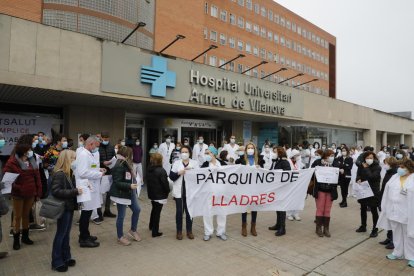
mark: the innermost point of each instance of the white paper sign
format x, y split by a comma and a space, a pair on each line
113, 162
106, 182
8, 180
86, 192
328, 175
362, 190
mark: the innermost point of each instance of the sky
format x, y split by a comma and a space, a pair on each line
375, 48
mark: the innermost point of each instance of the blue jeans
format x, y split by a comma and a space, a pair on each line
121, 215
61, 248
181, 207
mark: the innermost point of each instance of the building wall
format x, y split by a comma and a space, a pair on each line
25, 9
194, 18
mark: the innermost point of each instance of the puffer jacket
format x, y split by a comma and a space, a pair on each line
157, 183
64, 188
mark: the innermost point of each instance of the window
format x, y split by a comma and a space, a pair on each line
262, 74
282, 22
240, 22
270, 35
256, 29
322, 42
223, 16
247, 68
318, 40
240, 2
304, 33
239, 68
288, 44
248, 26
205, 33
263, 53
263, 32
270, 56
299, 48
309, 35
206, 8
232, 42
288, 62
313, 38
249, 4
293, 27
255, 51
288, 26
282, 41
221, 62
223, 39
255, 73
282, 60
276, 19
276, 58
257, 8
213, 61
293, 64
270, 15
299, 30
232, 19
231, 66
240, 45
213, 36
263, 11
248, 48
276, 38
326, 44
214, 11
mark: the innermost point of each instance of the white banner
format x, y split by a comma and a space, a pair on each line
362, 190
14, 126
328, 175
237, 189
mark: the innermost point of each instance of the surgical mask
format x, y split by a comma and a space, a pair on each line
331, 159
155, 146
186, 144
369, 161
34, 145
177, 148
207, 158
399, 156
344, 153
316, 147
323, 148
123, 143
94, 150
80, 144
300, 148
168, 140
232, 141
116, 150
386, 167
105, 143
73, 165
137, 143
44, 142
29, 154
2, 143
200, 141
40, 138
401, 171
267, 150
250, 152
241, 153
64, 145
317, 157
185, 155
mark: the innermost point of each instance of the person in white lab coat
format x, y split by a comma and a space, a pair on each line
267, 157
198, 150
398, 212
210, 161
165, 150
87, 168
232, 148
295, 161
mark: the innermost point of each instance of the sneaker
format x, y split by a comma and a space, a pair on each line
290, 218
297, 217
124, 241
62, 268
393, 257
411, 263
207, 237
97, 221
134, 235
37, 227
222, 237
159, 234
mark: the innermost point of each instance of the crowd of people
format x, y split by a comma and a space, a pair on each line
60, 170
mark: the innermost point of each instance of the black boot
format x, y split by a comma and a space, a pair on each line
281, 218
362, 228
374, 233
343, 204
16, 241
25, 237
385, 242
277, 225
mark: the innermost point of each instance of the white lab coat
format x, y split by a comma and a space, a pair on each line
305, 156
198, 153
267, 158
166, 151
232, 150
176, 167
87, 167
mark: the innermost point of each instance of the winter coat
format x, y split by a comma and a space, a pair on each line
280, 164
106, 153
157, 183
346, 164
122, 178
372, 174
63, 189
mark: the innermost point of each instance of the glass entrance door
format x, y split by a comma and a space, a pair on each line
193, 134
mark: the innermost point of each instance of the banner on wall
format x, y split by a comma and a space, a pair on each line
237, 189
14, 126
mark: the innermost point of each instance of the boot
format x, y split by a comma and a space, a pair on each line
374, 233
343, 204
282, 222
326, 227
277, 225
319, 226
16, 241
253, 229
179, 235
25, 237
244, 229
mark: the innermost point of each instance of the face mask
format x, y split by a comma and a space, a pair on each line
80, 144
250, 152
185, 155
316, 147
2, 143
40, 138
36, 142
241, 153
300, 148
64, 145
384, 149
122, 143
399, 156
178, 148
29, 154
207, 158
155, 146
331, 159
317, 157
34, 145
275, 155
105, 143
267, 150
168, 140
401, 171
73, 165
344, 153
116, 151
94, 150
323, 148
200, 141
369, 161
232, 141
387, 155
386, 167
186, 144
137, 143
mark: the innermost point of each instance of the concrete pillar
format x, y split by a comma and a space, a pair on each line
384, 139
370, 137
402, 139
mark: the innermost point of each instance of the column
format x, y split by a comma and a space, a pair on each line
402, 139
370, 137
384, 139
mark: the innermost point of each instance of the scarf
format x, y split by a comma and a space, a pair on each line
23, 165
123, 160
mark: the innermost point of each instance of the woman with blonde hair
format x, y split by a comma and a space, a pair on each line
64, 188
251, 158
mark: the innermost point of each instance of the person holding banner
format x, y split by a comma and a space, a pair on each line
280, 163
345, 164
370, 171
324, 194
179, 193
398, 212
296, 164
64, 188
212, 162
251, 158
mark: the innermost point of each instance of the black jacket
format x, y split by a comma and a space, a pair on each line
280, 164
242, 161
157, 181
65, 190
222, 163
372, 174
388, 174
121, 180
324, 187
106, 153
346, 164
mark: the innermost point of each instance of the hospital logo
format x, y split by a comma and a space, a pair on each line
158, 76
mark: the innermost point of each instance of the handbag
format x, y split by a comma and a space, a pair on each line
311, 185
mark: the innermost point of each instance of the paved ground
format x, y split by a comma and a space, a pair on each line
300, 252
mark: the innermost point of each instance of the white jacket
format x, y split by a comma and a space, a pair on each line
166, 151
198, 153
232, 150
87, 167
176, 167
